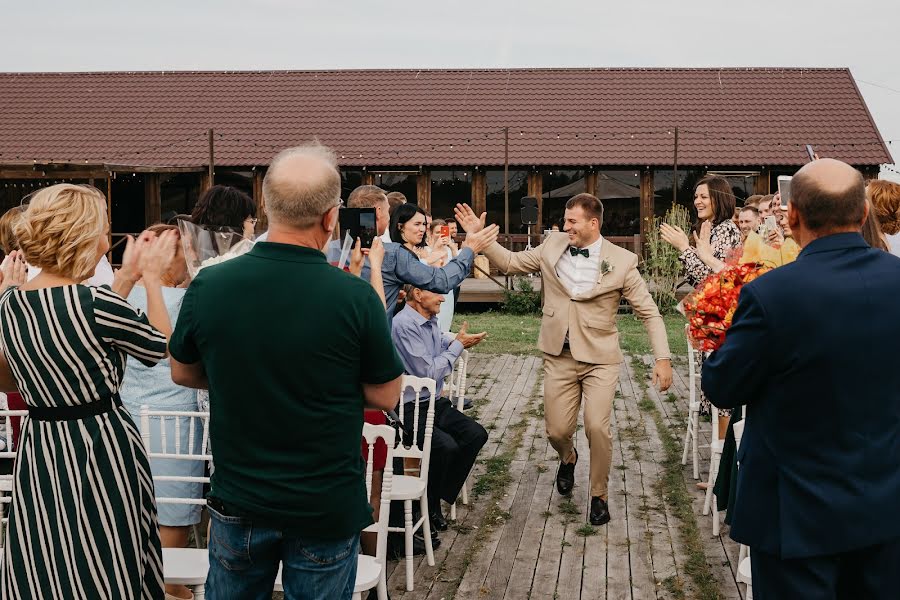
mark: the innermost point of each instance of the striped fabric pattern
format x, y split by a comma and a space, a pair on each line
83, 517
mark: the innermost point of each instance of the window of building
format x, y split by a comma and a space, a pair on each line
405, 182
684, 195
447, 189
350, 180
518, 188
127, 208
743, 183
620, 192
242, 180
178, 193
558, 186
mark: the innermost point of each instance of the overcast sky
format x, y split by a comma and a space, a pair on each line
100, 35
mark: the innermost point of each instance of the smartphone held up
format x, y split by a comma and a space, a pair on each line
358, 223
784, 188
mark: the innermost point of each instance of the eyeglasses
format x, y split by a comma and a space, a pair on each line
253, 220
340, 203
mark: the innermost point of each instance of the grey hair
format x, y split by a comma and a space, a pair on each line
299, 199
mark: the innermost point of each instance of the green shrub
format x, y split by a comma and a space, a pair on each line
661, 266
522, 299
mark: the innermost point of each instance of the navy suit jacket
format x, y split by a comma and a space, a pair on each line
813, 353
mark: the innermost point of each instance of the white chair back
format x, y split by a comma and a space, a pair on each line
692, 366
174, 449
371, 435
9, 452
458, 381
423, 453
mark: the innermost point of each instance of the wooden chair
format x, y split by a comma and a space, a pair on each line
458, 388
181, 566
693, 421
407, 487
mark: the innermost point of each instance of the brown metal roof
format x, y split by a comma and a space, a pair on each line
726, 117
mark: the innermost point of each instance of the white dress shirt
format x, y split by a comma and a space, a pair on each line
579, 273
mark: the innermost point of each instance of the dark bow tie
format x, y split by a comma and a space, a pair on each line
582, 251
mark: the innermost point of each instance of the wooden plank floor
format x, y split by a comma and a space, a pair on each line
525, 541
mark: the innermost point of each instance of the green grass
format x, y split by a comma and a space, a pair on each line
518, 334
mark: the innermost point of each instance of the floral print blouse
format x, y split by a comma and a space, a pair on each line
724, 239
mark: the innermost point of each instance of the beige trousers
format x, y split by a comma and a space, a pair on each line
566, 380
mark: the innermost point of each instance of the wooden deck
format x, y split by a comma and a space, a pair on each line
518, 539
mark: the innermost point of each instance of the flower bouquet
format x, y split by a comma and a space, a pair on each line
204, 247
711, 306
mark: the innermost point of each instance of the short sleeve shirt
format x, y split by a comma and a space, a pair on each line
287, 342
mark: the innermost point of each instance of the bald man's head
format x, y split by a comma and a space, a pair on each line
301, 185
829, 195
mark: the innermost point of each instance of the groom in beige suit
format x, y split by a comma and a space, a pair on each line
583, 277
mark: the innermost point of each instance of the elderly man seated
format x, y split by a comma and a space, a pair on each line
427, 352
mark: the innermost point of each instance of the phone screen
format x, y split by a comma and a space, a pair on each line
784, 188
359, 223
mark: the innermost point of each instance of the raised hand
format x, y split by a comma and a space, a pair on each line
480, 240
157, 256
467, 218
674, 236
376, 254
357, 258
14, 271
131, 259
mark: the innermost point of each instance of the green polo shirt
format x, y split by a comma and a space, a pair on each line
287, 342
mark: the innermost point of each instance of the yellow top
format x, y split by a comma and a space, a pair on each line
756, 250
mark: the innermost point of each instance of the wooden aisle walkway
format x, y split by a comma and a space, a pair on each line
519, 539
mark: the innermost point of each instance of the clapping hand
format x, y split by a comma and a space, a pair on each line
674, 236
702, 241
467, 218
13, 270
469, 339
131, 259
157, 255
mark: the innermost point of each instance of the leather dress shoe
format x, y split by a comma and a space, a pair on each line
565, 477
438, 522
599, 511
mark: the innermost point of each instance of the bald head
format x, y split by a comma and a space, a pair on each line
829, 196
301, 185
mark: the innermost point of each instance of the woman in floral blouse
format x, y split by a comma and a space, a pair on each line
715, 234
715, 238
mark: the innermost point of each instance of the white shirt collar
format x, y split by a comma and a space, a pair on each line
594, 249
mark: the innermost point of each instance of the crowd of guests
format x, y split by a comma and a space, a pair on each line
285, 392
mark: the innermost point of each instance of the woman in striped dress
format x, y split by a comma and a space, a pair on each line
83, 517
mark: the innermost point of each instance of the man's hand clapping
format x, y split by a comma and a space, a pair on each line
469, 339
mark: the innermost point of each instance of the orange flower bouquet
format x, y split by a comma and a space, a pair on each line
711, 306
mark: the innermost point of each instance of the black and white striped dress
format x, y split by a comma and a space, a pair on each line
83, 516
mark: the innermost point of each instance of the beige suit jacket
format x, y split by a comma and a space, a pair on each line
589, 318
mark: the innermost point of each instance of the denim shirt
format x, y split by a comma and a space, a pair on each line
401, 266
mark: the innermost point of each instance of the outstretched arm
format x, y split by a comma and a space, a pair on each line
510, 263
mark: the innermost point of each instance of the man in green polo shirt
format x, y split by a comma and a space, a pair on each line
291, 350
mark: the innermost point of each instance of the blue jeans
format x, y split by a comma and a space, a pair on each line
244, 559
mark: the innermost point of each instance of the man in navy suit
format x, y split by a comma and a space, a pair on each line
812, 353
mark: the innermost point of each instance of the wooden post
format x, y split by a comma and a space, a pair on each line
535, 188
675, 171
590, 183
368, 178
109, 178
479, 192
423, 190
263, 223
506, 180
212, 160
152, 209
762, 182
647, 208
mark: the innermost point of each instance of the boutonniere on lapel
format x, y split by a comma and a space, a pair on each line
605, 268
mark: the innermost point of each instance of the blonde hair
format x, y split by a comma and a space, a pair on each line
61, 229
8, 241
885, 199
